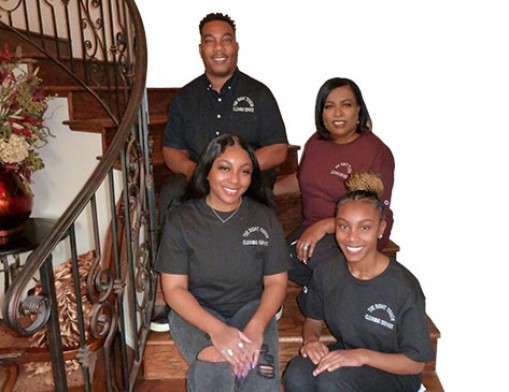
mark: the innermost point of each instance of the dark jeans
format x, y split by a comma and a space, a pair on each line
218, 376
172, 189
298, 377
301, 272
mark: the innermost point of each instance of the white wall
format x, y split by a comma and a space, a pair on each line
435, 75
70, 157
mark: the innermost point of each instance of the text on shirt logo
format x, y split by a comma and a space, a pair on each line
342, 170
243, 104
377, 320
252, 231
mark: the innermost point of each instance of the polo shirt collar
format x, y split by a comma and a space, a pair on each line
227, 86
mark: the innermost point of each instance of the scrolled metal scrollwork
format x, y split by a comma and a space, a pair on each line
103, 321
34, 313
99, 282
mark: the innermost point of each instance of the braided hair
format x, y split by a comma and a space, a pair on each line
365, 186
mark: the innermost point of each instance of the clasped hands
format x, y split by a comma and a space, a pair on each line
235, 347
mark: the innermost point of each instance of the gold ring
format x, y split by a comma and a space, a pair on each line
307, 246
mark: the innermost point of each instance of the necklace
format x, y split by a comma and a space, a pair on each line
224, 220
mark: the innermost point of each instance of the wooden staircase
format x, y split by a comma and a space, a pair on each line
108, 60
162, 359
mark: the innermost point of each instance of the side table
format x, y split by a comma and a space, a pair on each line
33, 231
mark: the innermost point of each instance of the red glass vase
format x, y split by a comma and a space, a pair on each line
15, 202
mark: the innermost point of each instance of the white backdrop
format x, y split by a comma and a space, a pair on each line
435, 76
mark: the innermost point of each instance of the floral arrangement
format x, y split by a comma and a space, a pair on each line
22, 106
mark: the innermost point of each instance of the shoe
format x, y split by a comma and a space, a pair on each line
159, 322
279, 313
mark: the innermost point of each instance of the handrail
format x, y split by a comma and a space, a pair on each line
130, 146
63, 224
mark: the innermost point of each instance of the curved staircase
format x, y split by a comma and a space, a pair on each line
96, 58
94, 54
162, 359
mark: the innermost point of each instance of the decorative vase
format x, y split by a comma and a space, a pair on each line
15, 202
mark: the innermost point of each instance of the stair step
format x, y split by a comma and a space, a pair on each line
429, 379
82, 106
51, 44
162, 359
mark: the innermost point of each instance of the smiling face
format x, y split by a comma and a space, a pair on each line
358, 227
219, 50
340, 115
229, 178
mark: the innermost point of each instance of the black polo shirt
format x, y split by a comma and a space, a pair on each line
244, 106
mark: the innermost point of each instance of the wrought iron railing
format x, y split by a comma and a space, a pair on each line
99, 47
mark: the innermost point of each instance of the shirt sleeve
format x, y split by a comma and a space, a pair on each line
313, 301
384, 165
278, 257
175, 126
172, 255
413, 336
271, 125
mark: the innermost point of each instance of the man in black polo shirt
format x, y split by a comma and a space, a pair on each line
222, 100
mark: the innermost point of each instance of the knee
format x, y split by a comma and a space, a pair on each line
210, 354
208, 376
298, 376
340, 380
326, 382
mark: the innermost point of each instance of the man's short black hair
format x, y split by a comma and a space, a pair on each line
217, 16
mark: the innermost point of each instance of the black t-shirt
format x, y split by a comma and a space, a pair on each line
245, 107
385, 314
225, 262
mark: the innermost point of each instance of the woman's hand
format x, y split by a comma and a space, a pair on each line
314, 350
253, 349
231, 343
272, 297
305, 245
246, 358
339, 358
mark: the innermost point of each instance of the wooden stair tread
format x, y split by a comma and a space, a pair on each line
429, 379
106, 124
162, 359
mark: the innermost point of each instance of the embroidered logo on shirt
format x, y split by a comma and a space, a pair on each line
243, 104
255, 235
342, 170
385, 312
